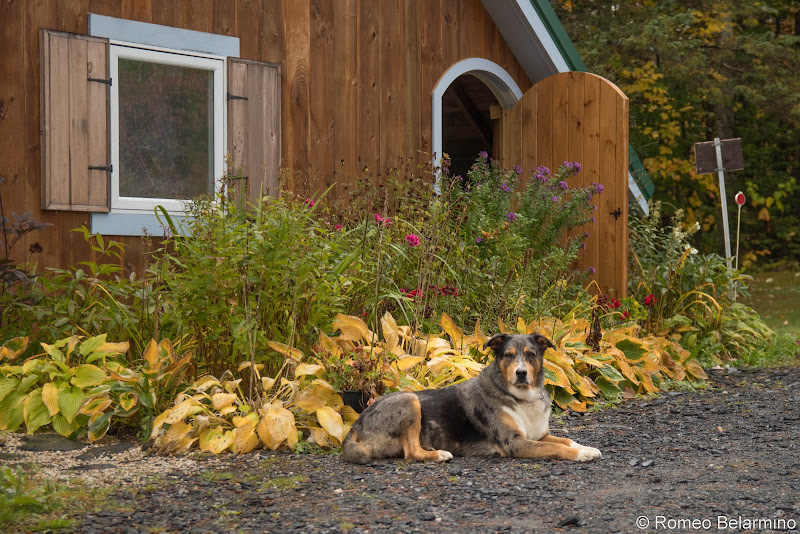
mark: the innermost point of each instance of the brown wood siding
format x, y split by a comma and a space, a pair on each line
580, 117
356, 83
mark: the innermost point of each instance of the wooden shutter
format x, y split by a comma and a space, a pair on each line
577, 116
75, 142
254, 126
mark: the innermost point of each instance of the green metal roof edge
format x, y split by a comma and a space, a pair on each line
573, 59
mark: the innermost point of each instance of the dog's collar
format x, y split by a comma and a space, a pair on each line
541, 394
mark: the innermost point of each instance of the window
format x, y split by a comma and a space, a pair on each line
138, 115
166, 127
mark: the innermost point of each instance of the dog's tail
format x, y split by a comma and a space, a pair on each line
354, 451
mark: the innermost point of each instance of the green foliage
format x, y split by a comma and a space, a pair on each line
240, 278
699, 70
693, 295
78, 387
17, 499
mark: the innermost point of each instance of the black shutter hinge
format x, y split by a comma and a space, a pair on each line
617, 214
100, 80
236, 97
108, 168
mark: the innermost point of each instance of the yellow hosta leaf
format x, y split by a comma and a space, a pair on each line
128, 400
332, 422
351, 328
209, 438
315, 397
251, 418
523, 328
646, 381
244, 438
173, 438
286, 350
391, 334
179, 412
584, 386
222, 401
305, 369
276, 426
225, 411
407, 362
349, 415
501, 326
329, 345
115, 348
205, 383
450, 328
50, 397
560, 377
438, 364
695, 369
158, 422
151, 354
267, 383
321, 438
577, 406
437, 344
673, 369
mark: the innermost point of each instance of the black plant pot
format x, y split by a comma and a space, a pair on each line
357, 400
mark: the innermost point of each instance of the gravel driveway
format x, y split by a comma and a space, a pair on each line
723, 459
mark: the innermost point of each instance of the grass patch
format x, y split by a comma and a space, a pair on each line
29, 502
284, 483
774, 295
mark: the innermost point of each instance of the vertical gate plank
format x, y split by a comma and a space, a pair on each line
323, 95
345, 109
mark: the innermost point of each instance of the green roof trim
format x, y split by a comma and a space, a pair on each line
574, 61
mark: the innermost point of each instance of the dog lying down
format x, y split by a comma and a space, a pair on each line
505, 410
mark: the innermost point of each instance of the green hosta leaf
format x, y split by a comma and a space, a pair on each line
610, 390
98, 425
7, 385
54, 353
633, 351
35, 411
11, 411
92, 344
70, 401
88, 375
610, 374
562, 398
64, 427
26, 383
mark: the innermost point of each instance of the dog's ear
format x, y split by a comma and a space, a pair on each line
542, 341
496, 341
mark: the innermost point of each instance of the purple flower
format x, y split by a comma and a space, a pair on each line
585, 234
573, 167
555, 199
594, 207
412, 240
583, 246
505, 188
541, 169
511, 216
562, 184
541, 177
478, 239
598, 188
594, 220
517, 169
591, 270
483, 154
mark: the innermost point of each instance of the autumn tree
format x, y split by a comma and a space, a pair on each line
700, 69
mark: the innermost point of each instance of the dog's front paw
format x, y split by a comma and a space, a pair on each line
587, 454
444, 456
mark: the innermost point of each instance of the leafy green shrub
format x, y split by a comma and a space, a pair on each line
690, 294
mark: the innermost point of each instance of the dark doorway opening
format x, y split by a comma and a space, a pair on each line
467, 126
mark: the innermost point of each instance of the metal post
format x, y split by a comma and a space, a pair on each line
724, 201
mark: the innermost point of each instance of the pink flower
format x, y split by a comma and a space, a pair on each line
308, 202
338, 227
379, 219
412, 240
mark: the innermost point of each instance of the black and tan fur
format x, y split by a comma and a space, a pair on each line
505, 410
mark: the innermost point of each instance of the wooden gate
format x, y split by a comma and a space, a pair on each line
577, 116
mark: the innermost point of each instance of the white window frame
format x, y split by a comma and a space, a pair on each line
164, 56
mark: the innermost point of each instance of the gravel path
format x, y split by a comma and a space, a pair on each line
723, 459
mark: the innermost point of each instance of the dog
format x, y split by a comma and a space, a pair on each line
504, 411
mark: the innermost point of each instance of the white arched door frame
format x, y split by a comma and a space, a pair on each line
496, 78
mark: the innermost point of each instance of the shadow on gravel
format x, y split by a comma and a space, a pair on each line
725, 458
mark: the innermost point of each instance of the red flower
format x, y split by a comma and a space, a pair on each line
626, 315
650, 300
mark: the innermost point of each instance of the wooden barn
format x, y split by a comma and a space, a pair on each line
313, 90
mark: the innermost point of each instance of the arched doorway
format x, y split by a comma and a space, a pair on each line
461, 102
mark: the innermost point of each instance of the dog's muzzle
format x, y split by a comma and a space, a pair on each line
521, 375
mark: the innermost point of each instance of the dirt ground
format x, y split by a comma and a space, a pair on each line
722, 459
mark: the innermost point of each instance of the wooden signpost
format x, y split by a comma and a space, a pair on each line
720, 156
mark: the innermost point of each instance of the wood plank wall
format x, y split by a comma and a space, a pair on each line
357, 77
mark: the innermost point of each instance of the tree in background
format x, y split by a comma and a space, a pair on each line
695, 70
